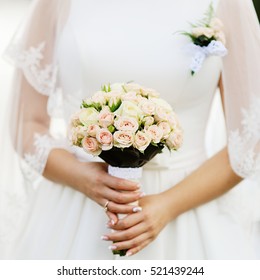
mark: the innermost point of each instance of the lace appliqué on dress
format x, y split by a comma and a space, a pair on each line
244, 145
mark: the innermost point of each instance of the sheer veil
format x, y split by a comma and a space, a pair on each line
37, 97
242, 85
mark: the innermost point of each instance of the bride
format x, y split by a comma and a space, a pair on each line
190, 206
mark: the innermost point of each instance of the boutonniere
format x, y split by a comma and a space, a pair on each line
208, 39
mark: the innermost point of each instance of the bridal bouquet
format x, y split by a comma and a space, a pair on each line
126, 125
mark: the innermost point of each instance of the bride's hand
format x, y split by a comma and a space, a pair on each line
101, 187
136, 231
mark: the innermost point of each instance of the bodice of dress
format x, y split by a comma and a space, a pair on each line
120, 41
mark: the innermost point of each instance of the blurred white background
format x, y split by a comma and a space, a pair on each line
12, 13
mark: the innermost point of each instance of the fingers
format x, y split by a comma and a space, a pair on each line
128, 222
127, 234
134, 245
121, 184
113, 218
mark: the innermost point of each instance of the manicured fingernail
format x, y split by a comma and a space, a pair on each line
129, 254
112, 222
112, 247
142, 194
137, 209
104, 237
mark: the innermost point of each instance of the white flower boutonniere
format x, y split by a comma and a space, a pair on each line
208, 39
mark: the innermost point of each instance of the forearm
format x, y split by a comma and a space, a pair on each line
62, 167
211, 180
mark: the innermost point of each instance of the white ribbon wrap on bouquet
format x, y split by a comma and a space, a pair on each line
215, 48
126, 173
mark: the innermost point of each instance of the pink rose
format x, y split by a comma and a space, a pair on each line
126, 124
105, 138
141, 141
91, 146
148, 107
92, 130
175, 140
105, 118
165, 128
123, 139
155, 133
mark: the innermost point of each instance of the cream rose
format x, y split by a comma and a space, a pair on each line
175, 139
220, 36
160, 114
105, 118
165, 128
173, 120
216, 24
99, 97
155, 133
148, 107
77, 134
126, 124
105, 138
132, 87
92, 130
129, 109
148, 121
88, 116
149, 92
74, 120
206, 31
130, 96
162, 103
123, 139
141, 141
91, 146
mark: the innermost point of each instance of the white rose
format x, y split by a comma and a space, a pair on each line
88, 116
155, 133
141, 141
160, 114
126, 124
206, 31
130, 96
123, 139
74, 120
77, 134
129, 109
132, 87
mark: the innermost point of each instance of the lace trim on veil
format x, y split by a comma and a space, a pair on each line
43, 79
244, 159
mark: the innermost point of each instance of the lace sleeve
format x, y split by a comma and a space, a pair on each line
37, 94
241, 85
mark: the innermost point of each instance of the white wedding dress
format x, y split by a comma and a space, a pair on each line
120, 41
